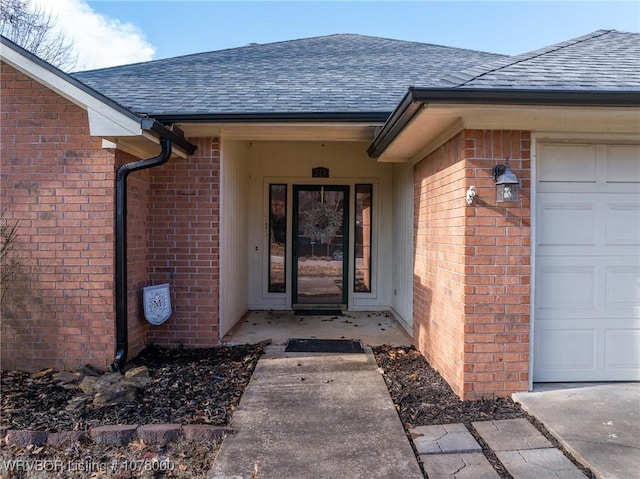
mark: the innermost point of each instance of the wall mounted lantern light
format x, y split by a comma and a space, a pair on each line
507, 184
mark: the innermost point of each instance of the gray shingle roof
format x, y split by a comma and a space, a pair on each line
357, 74
336, 73
604, 60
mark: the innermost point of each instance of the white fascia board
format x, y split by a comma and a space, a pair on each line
104, 120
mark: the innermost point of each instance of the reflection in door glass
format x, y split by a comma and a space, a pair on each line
320, 245
277, 238
363, 239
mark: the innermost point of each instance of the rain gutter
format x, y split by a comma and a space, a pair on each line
376, 116
418, 98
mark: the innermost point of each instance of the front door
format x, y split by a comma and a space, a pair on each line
320, 246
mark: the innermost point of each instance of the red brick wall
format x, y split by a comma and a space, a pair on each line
439, 248
58, 183
184, 244
472, 265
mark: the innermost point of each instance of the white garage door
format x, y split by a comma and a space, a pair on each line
587, 265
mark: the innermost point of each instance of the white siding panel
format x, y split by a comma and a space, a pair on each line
402, 285
234, 204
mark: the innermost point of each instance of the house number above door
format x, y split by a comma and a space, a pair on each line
320, 172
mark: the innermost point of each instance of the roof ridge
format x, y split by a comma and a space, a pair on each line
283, 42
510, 61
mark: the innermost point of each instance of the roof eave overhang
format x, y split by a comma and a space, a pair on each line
107, 119
427, 116
280, 126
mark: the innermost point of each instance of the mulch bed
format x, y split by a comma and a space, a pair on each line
204, 386
188, 386
423, 398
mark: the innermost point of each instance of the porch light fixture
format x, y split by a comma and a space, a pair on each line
507, 184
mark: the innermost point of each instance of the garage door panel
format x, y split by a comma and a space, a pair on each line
622, 224
622, 349
554, 217
623, 164
576, 163
566, 349
623, 288
587, 264
567, 287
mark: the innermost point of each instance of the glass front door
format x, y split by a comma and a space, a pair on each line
320, 246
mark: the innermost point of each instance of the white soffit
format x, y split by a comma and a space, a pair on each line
436, 123
293, 131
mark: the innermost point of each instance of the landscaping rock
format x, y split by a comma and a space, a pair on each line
139, 377
159, 434
107, 380
64, 439
115, 435
116, 393
22, 438
66, 377
203, 432
140, 371
88, 384
43, 373
76, 403
89, 370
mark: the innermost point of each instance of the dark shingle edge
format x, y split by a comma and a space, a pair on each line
417, 98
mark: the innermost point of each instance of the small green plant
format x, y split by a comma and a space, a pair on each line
9, 263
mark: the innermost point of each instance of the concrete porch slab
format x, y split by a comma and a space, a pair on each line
310, 415
374, 328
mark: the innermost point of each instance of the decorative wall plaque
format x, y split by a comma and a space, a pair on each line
157, 303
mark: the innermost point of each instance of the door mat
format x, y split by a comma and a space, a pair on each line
324, 346
317, 312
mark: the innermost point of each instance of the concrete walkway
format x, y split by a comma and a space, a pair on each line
598, 423
329, 416
321, 416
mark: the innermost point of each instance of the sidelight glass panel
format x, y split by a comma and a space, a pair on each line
362, 267
277, 238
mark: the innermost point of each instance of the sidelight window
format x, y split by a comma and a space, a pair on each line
362, 256
277, 238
